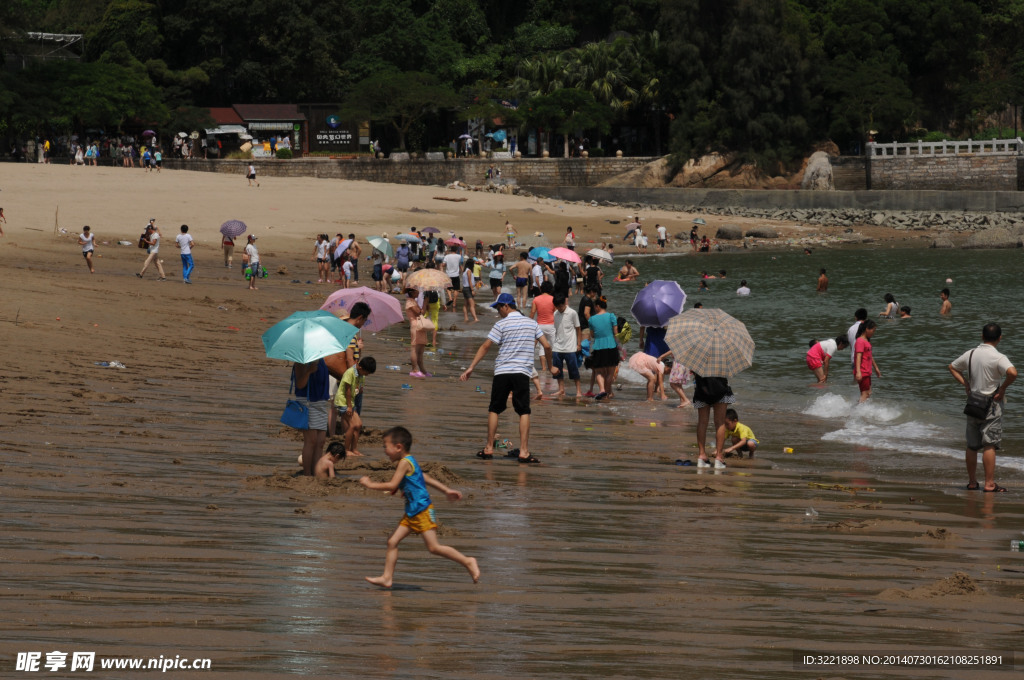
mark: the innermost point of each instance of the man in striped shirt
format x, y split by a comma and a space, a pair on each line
515, 336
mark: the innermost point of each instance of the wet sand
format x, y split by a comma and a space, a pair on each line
152, 510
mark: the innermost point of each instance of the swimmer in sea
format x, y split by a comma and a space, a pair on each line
628, 272
822, 281
904, 312
947, 306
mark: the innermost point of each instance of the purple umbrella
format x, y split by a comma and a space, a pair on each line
658, 302
233, 228
148, 133
342, 247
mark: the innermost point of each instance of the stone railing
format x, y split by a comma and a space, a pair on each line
991, 147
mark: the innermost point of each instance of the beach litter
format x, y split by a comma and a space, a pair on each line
811, 513
110, 364
124, 243
394, 368
406, 386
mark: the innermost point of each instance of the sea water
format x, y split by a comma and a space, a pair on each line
913, 423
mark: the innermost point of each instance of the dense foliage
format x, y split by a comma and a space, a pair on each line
765, 78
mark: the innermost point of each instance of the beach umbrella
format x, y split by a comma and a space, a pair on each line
658, 302
465, 136
431, 230
183, 135
455, 242
539, 253
428, 279
602, 255
565, 254
307, 336
699, 220
233, 228
381, 244
710, 342
408, 238
342, 247
384, 309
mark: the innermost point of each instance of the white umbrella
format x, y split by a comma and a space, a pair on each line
600, 254
342, 247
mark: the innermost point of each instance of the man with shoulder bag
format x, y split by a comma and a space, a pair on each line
988, 374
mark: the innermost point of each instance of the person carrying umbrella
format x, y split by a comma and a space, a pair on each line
305, 339
715, 346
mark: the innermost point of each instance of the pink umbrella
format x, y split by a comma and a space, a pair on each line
632, 225
384, 309
565, 254
455, 242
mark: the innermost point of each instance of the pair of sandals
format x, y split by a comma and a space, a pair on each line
978, 487
512, 453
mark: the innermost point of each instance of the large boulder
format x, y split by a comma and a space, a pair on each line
942, 242
818, 175
763, 232
993, 238
729, 232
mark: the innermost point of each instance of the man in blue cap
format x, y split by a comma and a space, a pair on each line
515, 336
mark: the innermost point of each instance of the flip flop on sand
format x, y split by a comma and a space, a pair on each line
996, 489
972, 487
532, 460
483, 455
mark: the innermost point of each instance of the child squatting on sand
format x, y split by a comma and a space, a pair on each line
419, 511
743, 438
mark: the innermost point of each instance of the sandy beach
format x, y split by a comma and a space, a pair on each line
152, 510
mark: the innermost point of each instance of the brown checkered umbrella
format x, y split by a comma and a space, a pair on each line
710, 342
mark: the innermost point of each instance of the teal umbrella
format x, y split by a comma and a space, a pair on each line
382, 245
307, 336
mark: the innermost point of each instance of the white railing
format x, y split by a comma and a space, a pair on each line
990, 147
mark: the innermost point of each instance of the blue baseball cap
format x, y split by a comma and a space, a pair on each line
505, 299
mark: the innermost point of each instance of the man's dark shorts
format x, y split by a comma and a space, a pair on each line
516, 384
456, 283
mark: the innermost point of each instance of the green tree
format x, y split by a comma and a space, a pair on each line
568, 110
401, 99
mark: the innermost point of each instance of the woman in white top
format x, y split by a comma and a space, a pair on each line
152, 240
570, 239
323, 261
252, 262
88, 242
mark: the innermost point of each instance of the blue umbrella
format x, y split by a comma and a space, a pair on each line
539, 253
658, 302
307, 336
408, 238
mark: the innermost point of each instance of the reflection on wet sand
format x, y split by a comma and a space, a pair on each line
158, 513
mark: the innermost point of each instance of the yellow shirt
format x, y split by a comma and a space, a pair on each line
350, 378
741, 431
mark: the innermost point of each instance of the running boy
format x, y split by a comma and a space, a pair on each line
350, 387
743, 438
324, 468
419, 511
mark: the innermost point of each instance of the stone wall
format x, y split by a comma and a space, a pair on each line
684, 199
849, 173
981, 172
533, 171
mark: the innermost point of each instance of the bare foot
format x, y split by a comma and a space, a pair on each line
383, 582
683, 404
354, 453
539, 397
579, 395
473, 568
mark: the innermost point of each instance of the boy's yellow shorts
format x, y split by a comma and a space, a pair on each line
423, 521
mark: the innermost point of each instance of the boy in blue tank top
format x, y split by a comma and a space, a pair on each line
419, 511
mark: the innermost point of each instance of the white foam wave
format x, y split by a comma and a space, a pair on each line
837, 406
